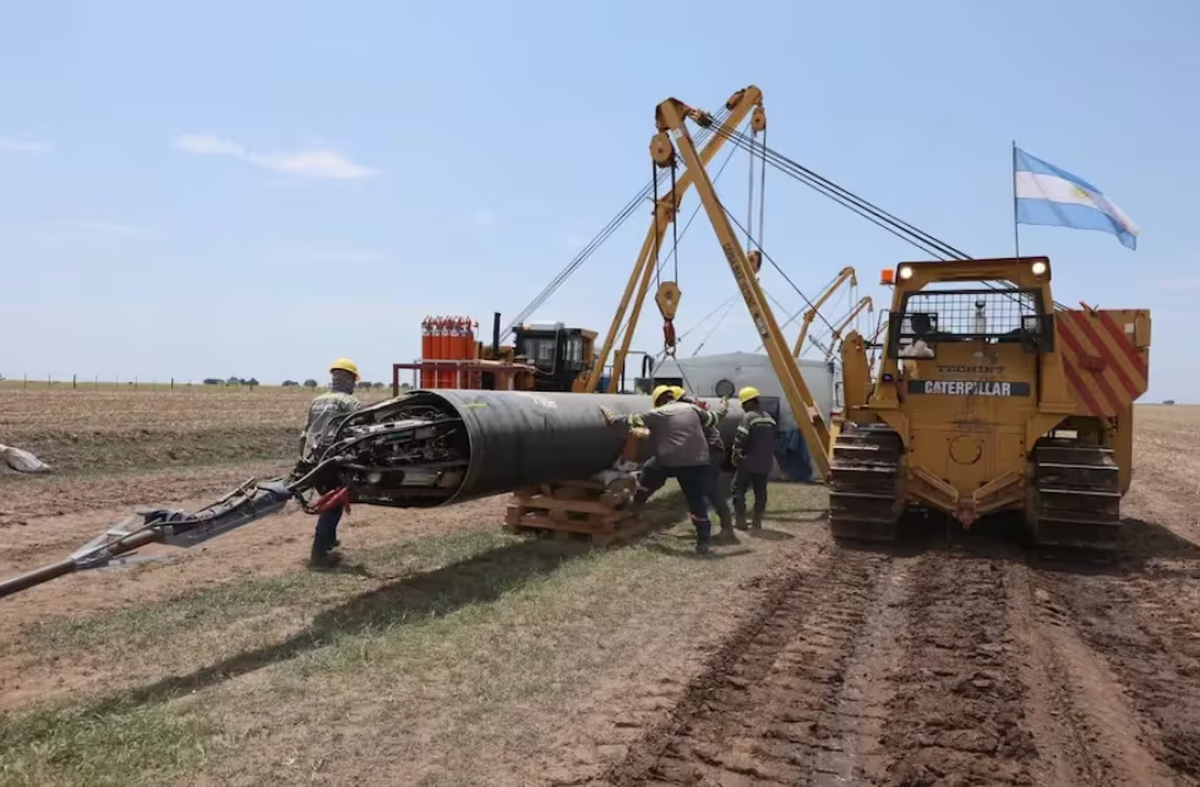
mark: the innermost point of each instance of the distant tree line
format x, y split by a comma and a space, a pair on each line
364, 385
234, 380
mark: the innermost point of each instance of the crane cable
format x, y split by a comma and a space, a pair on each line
902, 229
675, 251
897, 226
604, 234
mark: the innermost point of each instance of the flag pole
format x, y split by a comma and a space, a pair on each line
1016, 226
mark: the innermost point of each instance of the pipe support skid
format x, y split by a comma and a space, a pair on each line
434, 447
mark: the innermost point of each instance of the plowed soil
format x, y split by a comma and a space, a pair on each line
951, 659
964, 660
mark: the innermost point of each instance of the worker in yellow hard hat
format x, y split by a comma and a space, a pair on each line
680, 450
753, 457
716, 452
324, 414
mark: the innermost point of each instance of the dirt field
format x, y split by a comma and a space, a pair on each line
447, 652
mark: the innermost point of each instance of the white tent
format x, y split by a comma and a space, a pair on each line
702, 373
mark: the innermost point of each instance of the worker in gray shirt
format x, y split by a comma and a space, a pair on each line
324, 415
753, 457
679, 446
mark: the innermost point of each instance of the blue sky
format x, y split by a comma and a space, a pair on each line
329, 174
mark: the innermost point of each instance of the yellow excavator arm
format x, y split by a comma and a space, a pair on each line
671, 116
740, 104
845, 274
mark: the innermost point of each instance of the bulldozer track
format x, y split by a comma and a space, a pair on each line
773, 706
862, 483
1077, 496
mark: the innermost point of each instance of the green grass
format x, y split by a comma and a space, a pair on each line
110, 743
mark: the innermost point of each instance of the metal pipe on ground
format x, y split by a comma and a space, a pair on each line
474, 444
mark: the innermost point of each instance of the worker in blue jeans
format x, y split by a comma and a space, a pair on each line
324, 414
654, 477
680, 450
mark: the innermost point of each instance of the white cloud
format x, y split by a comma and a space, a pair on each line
305, 163
10, 145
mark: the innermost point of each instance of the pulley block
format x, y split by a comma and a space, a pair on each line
662, 151
755, 260
667, 299
758, 120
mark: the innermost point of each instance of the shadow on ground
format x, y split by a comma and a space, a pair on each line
405, 601
1004, 537
482, 578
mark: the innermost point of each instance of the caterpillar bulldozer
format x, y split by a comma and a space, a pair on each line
990, 397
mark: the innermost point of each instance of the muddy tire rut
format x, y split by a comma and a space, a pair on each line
957, 715
948, 668
1134, 630
773, 708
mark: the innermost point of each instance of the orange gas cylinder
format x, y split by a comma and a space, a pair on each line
471, 353
441, 340
426, 352
454, 351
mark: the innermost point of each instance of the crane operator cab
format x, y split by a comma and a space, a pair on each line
560, 354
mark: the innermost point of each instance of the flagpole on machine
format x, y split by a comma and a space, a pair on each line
1016, 225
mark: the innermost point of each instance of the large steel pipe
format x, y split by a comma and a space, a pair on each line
480, 443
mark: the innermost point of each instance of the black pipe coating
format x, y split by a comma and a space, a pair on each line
520, 439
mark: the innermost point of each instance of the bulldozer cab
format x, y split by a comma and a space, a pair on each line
936, 323
560, 354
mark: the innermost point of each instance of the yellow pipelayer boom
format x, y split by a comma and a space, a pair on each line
989, 398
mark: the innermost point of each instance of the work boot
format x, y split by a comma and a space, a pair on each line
756, 523
741, 520
322, 557
726, 535
703, 537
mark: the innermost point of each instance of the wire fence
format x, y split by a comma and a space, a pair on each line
138, 383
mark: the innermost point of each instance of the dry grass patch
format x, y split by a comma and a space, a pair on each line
99, 430
457, 659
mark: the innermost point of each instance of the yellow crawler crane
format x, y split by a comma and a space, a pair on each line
989, 398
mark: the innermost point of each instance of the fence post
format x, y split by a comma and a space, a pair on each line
74, 381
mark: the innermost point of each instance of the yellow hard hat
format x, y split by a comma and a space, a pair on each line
659, 391
747, 393
345, 365
677, 391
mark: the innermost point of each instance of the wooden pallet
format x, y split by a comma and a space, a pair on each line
596, 509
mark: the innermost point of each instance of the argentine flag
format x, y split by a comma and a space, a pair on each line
1050, 196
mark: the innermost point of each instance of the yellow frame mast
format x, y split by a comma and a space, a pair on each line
740, 104
670, 116
865, 303
811, 314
